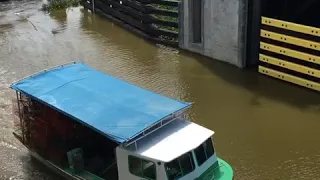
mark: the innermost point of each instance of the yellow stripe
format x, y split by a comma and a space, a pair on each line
289, 78
290, 53
289, 65
290, 39
291, 26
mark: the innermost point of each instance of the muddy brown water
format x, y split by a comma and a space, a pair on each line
265, 129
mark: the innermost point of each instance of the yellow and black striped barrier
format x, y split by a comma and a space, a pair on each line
290, 52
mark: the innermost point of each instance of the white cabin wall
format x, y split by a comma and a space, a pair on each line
123, 166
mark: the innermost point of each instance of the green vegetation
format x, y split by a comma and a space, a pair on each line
166, 18
54, 5
166, 7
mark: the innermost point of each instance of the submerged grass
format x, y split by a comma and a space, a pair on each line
166, 18
54, 5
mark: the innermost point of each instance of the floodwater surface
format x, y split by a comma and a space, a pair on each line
266, 129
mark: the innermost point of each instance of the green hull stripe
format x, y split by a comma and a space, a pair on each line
220, 170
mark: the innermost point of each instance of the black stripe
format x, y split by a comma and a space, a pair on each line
291, 46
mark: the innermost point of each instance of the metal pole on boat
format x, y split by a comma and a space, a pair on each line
20, 117
93, 5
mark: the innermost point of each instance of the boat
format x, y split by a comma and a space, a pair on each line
86, 125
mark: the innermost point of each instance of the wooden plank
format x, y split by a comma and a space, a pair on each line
289, 65
290, 78
291, 26
290, 40
146, 8
133, 4
289, 52
163, 32
127, 10
158, 21
163, 12
123, 17
142, 33
137, 15
160, 2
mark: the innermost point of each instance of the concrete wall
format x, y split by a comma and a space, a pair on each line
224, 30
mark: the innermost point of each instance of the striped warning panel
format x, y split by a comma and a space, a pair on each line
290, 52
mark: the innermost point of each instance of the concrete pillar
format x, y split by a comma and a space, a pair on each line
224, 30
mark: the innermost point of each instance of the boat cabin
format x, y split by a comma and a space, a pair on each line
84, 125
179, 150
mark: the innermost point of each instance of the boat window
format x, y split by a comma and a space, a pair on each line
142, 168
204, 151
180, 166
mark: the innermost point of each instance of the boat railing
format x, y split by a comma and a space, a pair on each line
155, 127
108, 168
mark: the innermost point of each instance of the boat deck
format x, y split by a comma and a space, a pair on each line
84, 175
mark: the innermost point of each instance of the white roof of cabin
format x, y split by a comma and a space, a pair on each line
173, 140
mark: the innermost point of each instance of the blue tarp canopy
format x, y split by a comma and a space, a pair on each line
114, 108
